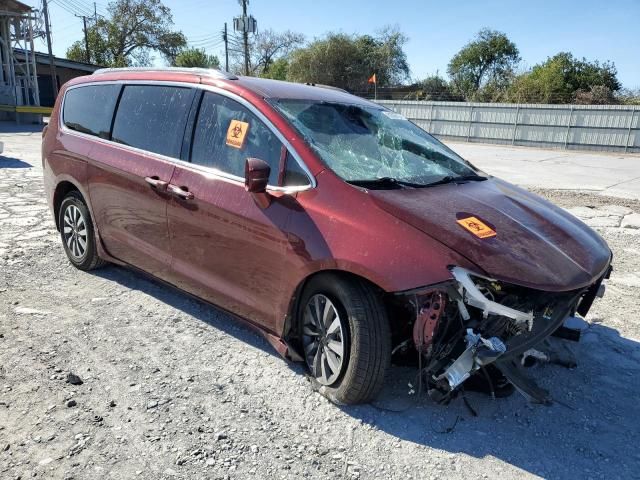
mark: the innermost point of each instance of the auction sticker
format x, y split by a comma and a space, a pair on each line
477, 227
237, 133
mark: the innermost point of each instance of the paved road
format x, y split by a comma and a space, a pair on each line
615, 175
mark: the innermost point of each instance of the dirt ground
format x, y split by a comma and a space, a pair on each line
173, 388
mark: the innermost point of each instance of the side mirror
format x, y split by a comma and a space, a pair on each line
256, 178
256, 175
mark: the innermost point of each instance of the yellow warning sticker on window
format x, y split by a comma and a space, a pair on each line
477, 227
236, 133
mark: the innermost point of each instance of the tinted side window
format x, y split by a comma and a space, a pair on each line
227, 133
90, 109
153, 118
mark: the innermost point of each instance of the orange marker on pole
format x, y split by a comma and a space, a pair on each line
374, 80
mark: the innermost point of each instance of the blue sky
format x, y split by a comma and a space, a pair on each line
437, 30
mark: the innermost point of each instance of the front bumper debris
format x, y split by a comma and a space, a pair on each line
479, 353
475, 324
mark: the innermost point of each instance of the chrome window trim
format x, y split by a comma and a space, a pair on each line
199, 168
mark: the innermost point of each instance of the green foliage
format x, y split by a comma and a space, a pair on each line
434, 88
347, 61
133, 29
564, 79
269, 47
489, 59
628, 96
278, 70
195, 57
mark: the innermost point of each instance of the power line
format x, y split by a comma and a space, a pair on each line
76, 7
91, 7
65, 28
204, 41
211, 44
203, 35
70, 8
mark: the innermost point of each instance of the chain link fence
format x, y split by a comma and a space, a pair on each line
582, 127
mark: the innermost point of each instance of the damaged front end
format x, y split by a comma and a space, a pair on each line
478, 327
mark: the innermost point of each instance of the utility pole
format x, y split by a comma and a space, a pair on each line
87, 57
245, 24
245, 35
225, 37
52, 64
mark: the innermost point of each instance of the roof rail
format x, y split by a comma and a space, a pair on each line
330, 87
204, 72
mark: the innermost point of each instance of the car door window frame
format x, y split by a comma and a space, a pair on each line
261, 117
140, 96
63, 122
236, 110
190, 129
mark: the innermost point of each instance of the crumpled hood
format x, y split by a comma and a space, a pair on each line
536, 244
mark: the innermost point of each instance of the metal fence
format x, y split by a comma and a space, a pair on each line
584, 127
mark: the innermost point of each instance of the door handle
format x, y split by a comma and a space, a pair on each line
180, 192
156, 183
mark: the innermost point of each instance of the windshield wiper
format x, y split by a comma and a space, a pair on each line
384, 183
458, 179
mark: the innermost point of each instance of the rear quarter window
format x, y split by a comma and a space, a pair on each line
153, 118
89, 109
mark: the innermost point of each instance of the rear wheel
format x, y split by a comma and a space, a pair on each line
346, 338
76, 231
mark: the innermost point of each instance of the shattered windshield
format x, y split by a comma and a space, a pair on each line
367, 145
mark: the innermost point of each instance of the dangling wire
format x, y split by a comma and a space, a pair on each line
488, 378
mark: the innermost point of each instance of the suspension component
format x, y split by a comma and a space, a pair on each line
427, 320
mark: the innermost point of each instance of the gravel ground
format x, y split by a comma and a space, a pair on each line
173, 388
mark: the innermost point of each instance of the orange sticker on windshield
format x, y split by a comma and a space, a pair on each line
477, 227
236, 133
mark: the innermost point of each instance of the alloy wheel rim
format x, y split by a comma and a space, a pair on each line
323, 339
75, 232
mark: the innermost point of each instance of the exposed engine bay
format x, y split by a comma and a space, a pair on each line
478, 327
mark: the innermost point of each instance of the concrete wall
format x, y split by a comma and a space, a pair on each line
583, 127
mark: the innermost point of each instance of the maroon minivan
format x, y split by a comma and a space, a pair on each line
342, 231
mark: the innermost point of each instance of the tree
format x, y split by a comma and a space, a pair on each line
629, 96
268, 47
265, 48
278, 70
488, 59
435, 88
195, 57
347, 61
598, 95
384, 56
563, 78
132, 30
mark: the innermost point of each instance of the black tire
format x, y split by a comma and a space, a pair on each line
88, 259
367, 337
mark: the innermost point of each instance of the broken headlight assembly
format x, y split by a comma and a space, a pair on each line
477, 326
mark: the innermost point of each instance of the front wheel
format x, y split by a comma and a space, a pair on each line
345, 336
